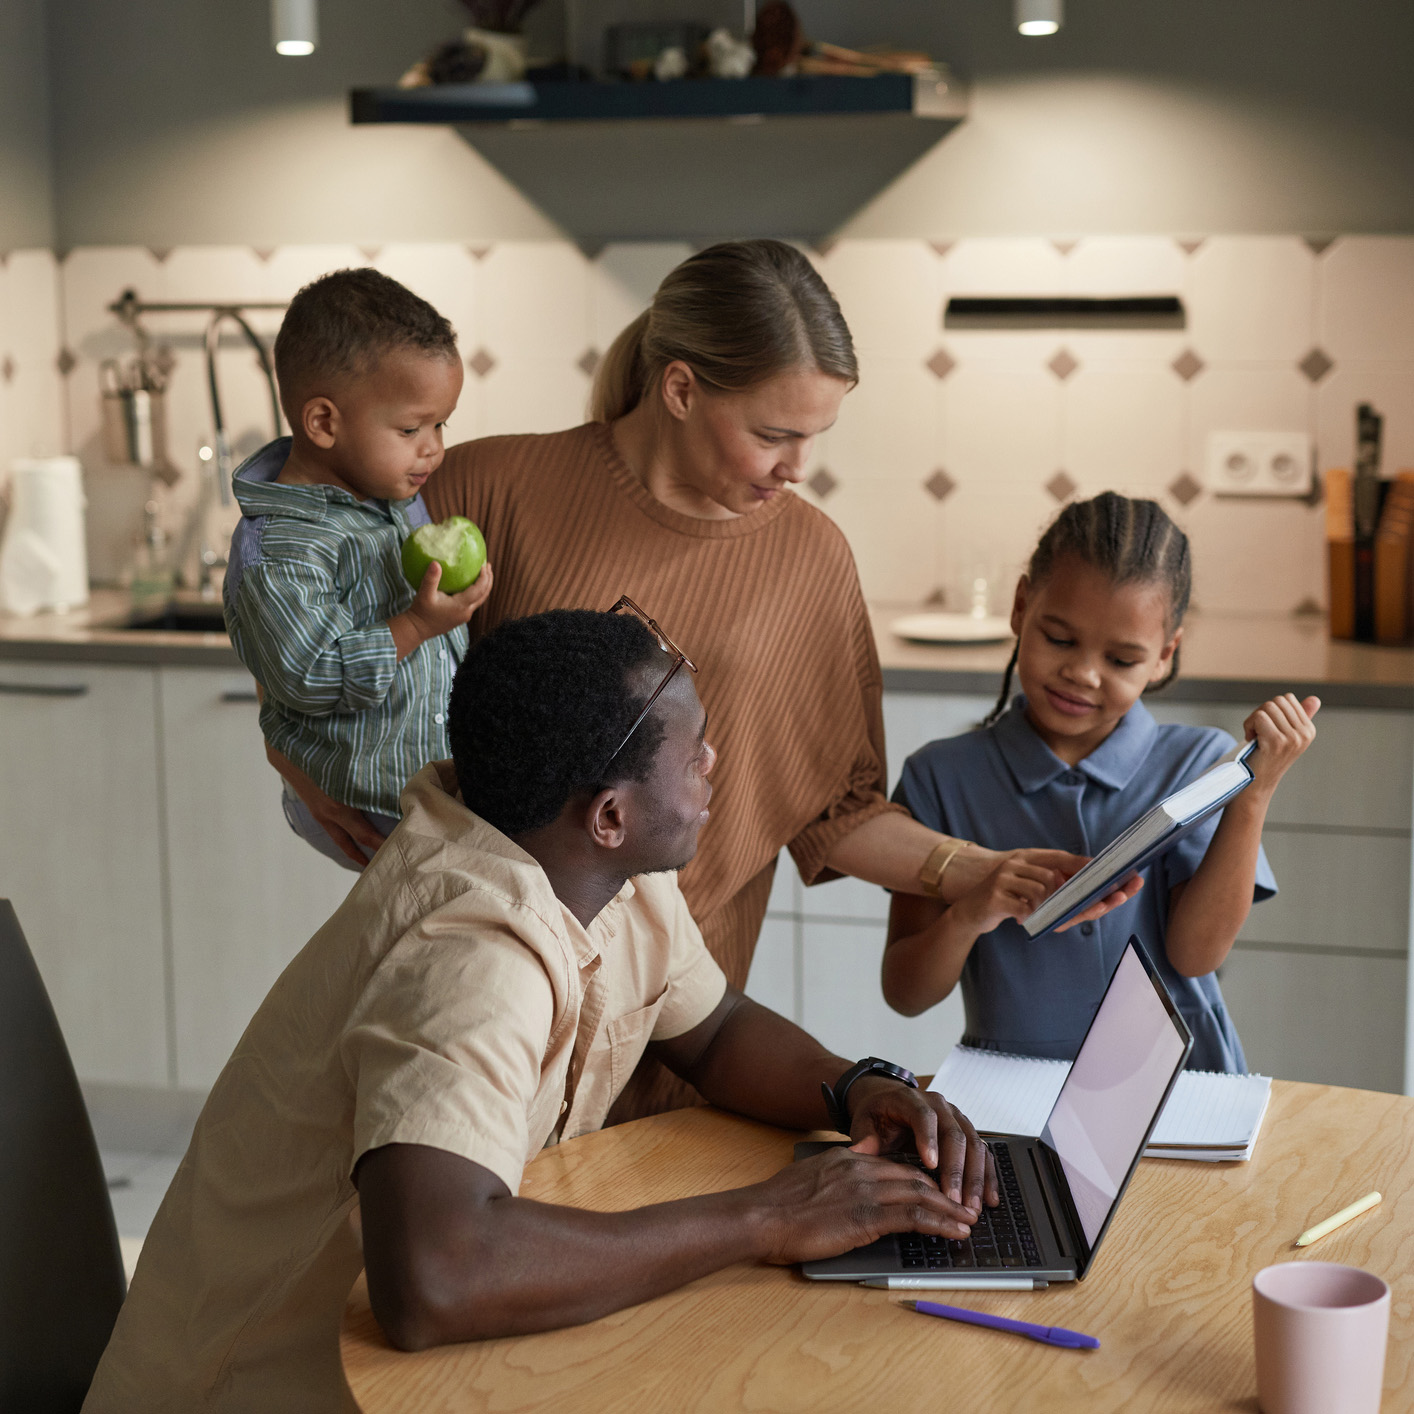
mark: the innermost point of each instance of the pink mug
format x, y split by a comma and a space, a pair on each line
1320, 1331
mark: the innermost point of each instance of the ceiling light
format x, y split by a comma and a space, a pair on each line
294, 26
1039, 16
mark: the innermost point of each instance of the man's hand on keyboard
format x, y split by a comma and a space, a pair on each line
886, 1116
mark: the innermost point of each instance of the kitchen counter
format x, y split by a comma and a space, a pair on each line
1226, 658
1240, 658
94, 634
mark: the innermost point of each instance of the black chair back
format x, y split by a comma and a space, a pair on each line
61, 1270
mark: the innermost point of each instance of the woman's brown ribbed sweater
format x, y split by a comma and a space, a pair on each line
769, 608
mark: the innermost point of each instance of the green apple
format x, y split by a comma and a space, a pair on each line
456, 544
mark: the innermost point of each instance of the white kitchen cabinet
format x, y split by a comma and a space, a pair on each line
1316, 1016
246, 893
843, 1006
81, 857
1316, 982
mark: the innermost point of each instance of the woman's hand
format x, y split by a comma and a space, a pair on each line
1283, 729
979, 865
347, 827
1011, 890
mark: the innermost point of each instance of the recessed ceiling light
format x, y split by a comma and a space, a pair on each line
1039, 16
294, 26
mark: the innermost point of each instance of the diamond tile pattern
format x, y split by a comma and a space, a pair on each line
941, 364
1316, 365
1285, 330
1185, 488
1188, 365
940, 485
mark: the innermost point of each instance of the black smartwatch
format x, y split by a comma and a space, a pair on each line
837, 1095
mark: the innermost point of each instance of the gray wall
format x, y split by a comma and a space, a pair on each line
26, 201
176, 123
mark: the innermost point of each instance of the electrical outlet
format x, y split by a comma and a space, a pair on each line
1260, 463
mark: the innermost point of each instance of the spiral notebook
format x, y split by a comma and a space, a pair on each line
1209, 1117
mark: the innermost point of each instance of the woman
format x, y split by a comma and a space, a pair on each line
678, 494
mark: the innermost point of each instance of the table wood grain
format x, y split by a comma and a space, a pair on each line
1169, 1294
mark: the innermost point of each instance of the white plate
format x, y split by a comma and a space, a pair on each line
951, 628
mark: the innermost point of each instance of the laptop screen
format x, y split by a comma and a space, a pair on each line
1112, 1095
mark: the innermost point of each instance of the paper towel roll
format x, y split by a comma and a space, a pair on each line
43, 560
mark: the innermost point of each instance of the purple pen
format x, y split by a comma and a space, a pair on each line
1047, 1335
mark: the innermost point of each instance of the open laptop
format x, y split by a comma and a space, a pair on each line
1059, 1191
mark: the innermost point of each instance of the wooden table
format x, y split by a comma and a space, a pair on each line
1168, 1295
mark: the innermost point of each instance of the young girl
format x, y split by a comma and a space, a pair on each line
1073, 760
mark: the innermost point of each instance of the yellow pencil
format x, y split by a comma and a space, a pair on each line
1362, 1205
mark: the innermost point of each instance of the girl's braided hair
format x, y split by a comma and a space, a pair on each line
1133, 542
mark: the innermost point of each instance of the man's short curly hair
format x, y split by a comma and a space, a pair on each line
344, 322
538, 707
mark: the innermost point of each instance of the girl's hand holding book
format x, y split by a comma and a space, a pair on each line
1283, 729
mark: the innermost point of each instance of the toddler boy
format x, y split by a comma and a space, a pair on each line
354, 666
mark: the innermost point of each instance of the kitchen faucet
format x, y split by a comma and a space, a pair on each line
218, 466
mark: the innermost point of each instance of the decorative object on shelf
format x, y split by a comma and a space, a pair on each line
294, 27
729, 57
670, 64
782, 49
778, 40
490, 50
1037, 17
654, 49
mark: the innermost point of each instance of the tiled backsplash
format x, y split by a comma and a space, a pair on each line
951, 454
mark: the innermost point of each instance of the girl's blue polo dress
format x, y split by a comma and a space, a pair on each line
1003, 787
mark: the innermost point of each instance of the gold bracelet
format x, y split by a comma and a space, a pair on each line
930, 876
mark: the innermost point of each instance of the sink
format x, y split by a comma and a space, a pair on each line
178, 618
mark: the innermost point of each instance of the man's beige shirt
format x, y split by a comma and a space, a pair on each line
451, 1001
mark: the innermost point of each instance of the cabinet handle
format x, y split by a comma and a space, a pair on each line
44, 689
240, 694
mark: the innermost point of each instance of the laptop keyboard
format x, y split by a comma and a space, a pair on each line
1001, 1237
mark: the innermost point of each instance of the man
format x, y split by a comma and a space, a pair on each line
487, 988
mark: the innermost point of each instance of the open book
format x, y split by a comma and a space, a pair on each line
1209, 1116
1146, 839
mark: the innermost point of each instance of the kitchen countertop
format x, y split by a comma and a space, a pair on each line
1226, 657
94, 634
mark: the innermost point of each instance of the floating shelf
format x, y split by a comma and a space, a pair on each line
695, 159
929, 96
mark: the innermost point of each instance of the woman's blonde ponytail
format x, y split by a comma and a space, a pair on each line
737, 314
618, 380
